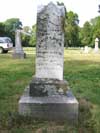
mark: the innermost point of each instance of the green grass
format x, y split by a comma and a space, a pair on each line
82, 71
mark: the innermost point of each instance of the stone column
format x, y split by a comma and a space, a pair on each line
96, 49
48, 95
18, 51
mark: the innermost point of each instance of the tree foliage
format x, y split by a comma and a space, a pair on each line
71, 29
32, 41
90, 31
10, 26
13, 24
86, 34
26, 38
2, 29
96, 27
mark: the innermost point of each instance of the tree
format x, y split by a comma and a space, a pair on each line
11, 25
95, 22
86, 34
33, 37
2, 29
71, 29
96, 26
26, 38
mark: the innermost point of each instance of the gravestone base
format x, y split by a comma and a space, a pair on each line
54, 107
46, 87
96, 51
19, 55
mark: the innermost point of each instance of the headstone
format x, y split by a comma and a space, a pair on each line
96, 49
18, 51
86, 49
48, 95
50, 43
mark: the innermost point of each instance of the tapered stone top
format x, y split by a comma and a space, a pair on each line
18, 45
50, 42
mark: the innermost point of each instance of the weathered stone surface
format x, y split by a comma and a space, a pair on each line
50, 42
48, 96
47, 87
57, 107
18, 51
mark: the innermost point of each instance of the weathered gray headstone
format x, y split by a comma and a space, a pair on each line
18, 51
50, 43
48, 95
96, 49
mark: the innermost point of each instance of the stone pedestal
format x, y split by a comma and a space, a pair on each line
47, 87
49, 99
54, 107
20, 55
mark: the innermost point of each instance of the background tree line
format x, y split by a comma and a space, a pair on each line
8, 28
75, 36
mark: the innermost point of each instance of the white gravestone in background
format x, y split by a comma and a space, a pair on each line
86, 49
18, 51
96, 49
18, 45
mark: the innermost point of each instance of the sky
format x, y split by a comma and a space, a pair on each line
26, 10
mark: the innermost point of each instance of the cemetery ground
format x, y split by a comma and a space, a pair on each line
82, 71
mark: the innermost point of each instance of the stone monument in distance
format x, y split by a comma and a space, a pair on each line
96, 49
48, 96
18, 50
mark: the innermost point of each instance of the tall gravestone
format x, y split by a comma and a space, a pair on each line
18, 51
96, 49
48, 95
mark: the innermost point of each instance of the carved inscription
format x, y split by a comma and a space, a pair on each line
50, 41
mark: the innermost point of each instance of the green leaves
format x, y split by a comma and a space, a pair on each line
71, 29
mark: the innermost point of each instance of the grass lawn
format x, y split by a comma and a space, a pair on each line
82, 71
